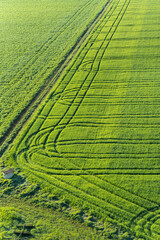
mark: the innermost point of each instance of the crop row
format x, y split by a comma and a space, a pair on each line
34, 41
95, 140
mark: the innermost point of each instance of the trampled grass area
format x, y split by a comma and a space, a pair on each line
95, 140
29, 212
47, 224
35, 37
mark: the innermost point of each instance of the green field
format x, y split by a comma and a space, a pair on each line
23, 203
35, 37
95, 139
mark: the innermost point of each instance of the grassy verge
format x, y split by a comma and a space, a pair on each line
26, 209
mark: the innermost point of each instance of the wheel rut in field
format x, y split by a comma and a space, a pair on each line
18, 123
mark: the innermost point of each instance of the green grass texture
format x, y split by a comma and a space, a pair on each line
95, 139
36, 36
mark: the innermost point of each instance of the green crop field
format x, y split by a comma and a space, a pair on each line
95, 140
35, 37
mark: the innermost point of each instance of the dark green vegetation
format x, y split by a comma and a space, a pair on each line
95, 140
36, 36
27, 212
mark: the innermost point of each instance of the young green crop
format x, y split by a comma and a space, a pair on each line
95, 140
36, 36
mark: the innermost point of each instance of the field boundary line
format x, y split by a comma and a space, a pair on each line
26, 113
